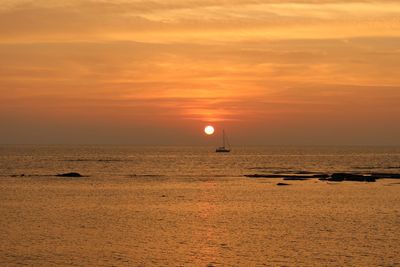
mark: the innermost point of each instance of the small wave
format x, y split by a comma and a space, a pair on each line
94, 160
287, 176
391, 184
146, 176
283, 170
29, 175
364, 168
268, 168
375, 167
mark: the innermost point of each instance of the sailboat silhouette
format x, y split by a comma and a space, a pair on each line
224, 148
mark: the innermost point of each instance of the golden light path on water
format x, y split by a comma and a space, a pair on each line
190, 206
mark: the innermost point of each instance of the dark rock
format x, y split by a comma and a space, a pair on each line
282, 184
297, 177
335, 177
17, 175
324, 175
370, 179
331, 179
70, 174
347, 177
340, 177
386, 175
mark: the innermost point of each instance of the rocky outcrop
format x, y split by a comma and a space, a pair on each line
386, 175
70, 174
340, 177
334, 177
282, 184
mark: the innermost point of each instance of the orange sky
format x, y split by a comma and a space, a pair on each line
155, 72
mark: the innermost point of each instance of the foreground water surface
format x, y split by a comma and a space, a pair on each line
175, 206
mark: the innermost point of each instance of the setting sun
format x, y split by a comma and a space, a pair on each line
209, 130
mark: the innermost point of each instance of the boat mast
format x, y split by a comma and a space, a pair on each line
223, 138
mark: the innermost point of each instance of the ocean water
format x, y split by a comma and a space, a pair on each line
189, 206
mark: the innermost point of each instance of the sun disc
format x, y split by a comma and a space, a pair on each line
209, 130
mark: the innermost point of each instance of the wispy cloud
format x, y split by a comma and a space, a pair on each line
287, 63
200, 21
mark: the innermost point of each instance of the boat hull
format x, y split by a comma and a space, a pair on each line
219, 150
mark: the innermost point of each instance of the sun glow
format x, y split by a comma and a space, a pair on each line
209, 130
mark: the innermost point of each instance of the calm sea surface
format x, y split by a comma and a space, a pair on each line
188, 206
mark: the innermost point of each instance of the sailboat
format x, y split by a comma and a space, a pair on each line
223, 148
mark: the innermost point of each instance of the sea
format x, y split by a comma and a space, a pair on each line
190, 206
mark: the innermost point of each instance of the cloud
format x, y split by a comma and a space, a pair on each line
200, 21
288, 64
